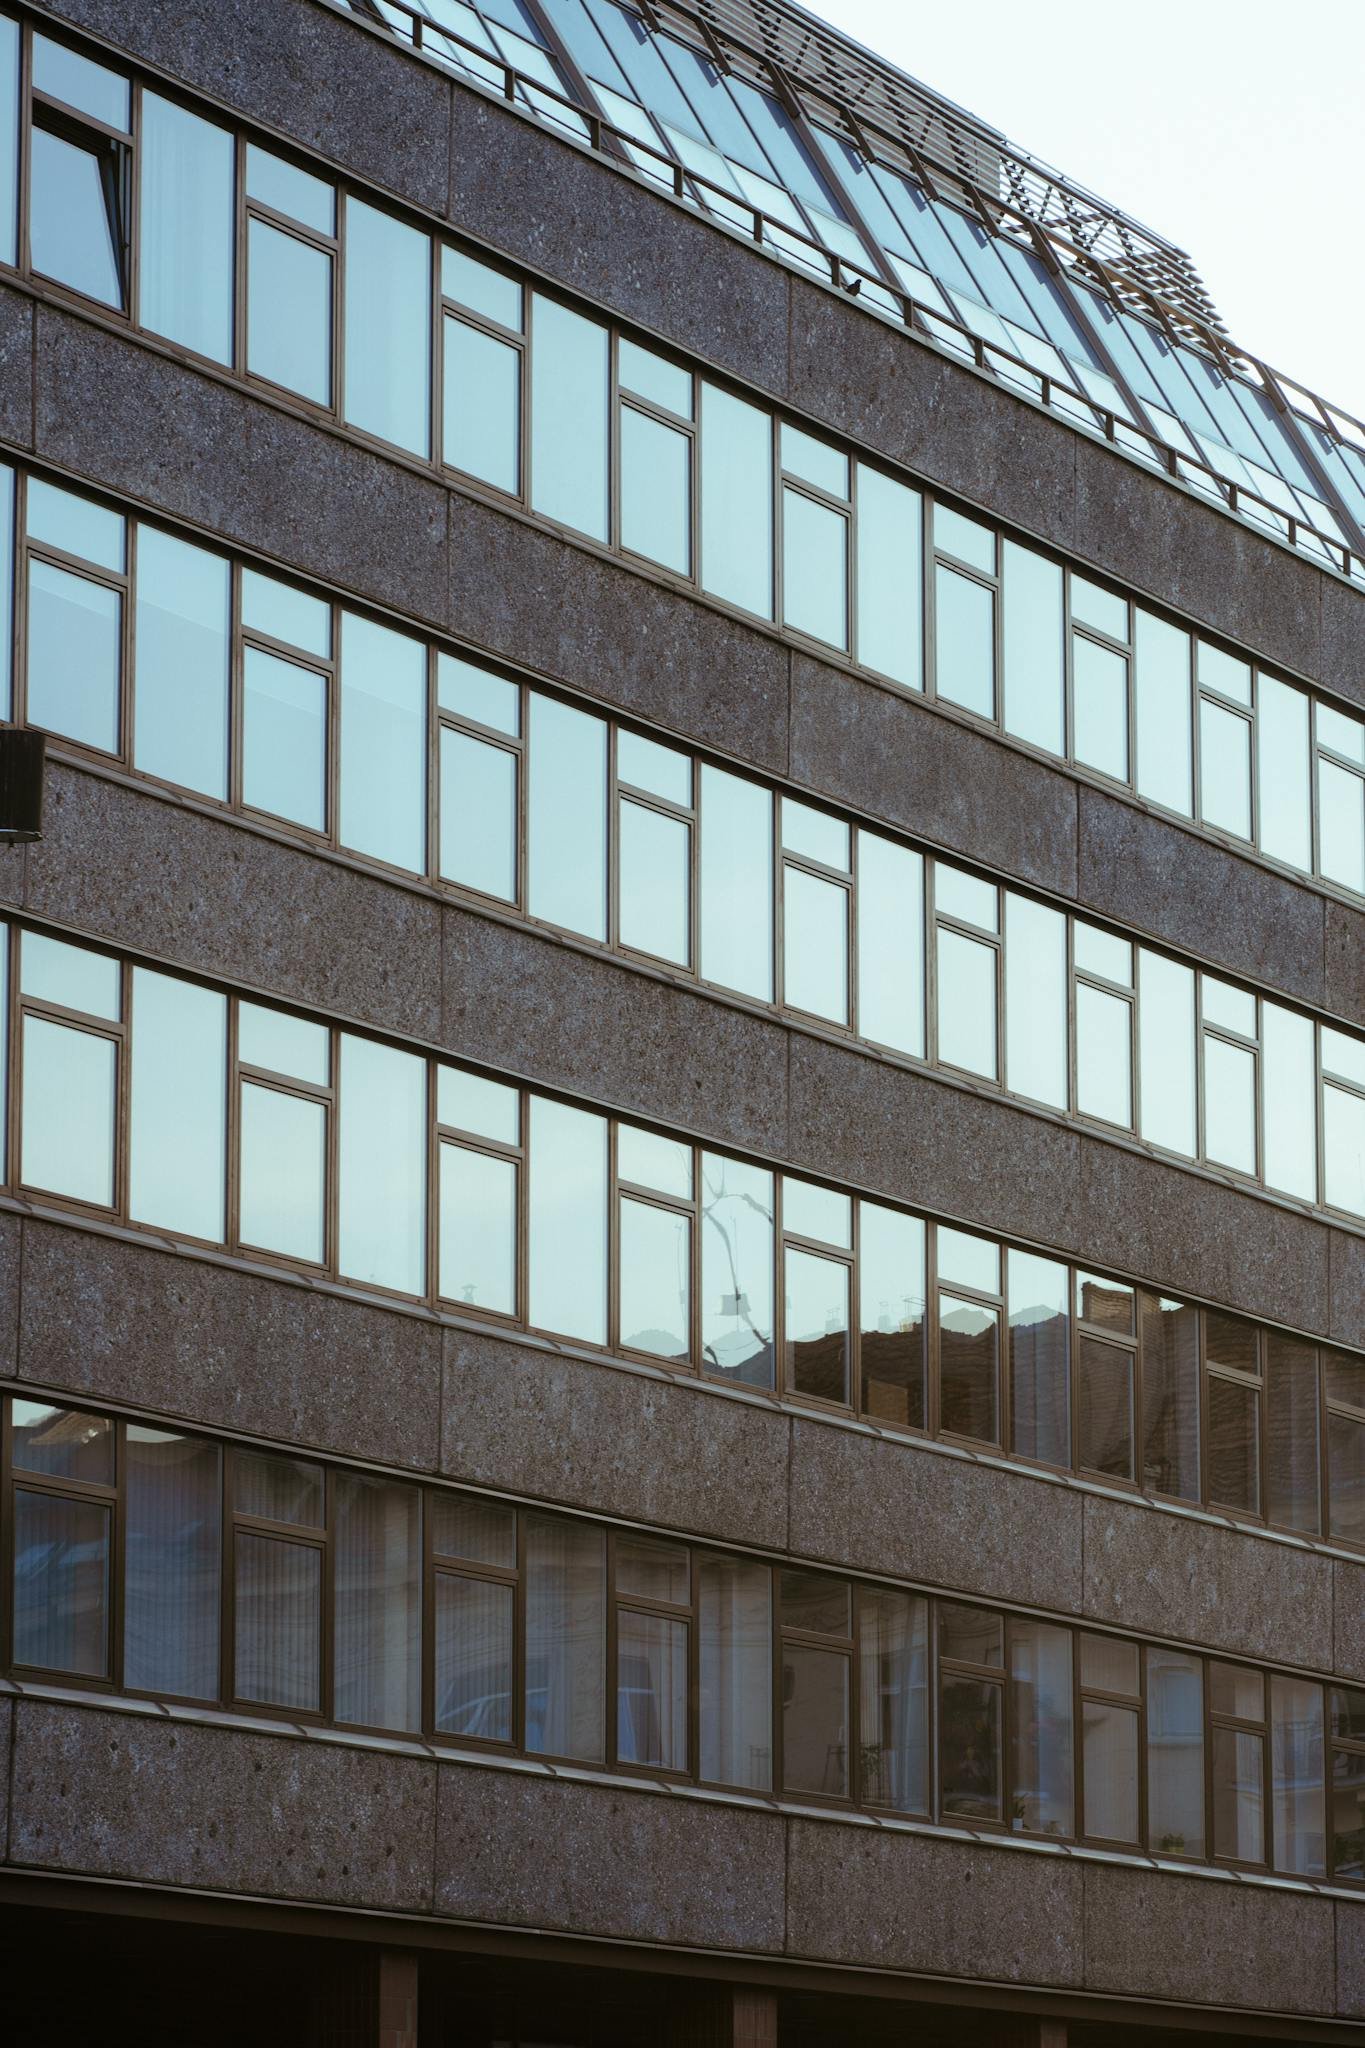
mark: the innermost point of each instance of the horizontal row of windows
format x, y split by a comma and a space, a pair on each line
169, 1564
587, 428
164, 1102
233, 684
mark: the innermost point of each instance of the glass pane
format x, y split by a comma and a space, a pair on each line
1103, 954
1041, 1769
488, 1109
1291, 1425
178, 1113
888, 570
1110, 1665
62, 1441
473, 1658
478, 1229
814, 461
61, 1584
278, 1622
1341, 825
283, 612
890, 914
656, 491
1104, 1058
891, 1284
1031, 598
565, 1638
1343, 1169
1108, 1304
481, 1530
1238, 1691
66, 75
814, 569
655, 378
180, 703
969, 1260
71, 235
815, 1721
1229, 1105
7, 485
655, 878
75, 524
652, 1161
1161, 693
9, 141
656, 1280
815, 834
1346, 1477
968, 539
1175, 1753
569, 380
483, 290
1345, 1378
966, 1004
1285, 818
1104, 1408
478, 815
1035, 1001
171, 1563
736, 883
568, 817
568, 1248
1040, 1387
651, 1690
1093, 606
1223, 672
1170, 1397
815, 1601
383, 743
70, 975
737, 1269
289, 312
286, 189
1099, 683
1341, 732
1289, 1101
1233, 1008
1296, 1762
964, 637
283, 1044
817, 1346
1109, 1763
382, 1110
1166, 1052
969, 1748
278, 1489
388, 328
75, 636
663, 771
736, 501
735, 1692
809, 1210
473, 692
377, 1564
969, 1369
283, 1173
1224, 769
185, 251
284, 739
1234, 1452
815, 944
893, 1749
68, 1112
481, 433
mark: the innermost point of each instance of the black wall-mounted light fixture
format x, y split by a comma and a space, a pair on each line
23, 756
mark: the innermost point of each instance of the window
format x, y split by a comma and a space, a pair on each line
656, 827
570, 374
480, 1178
1033, 656
388, 328
1170, 1397
381, 1149
817, 1226
77, 596
893, 1699
817, 1677
1161, 713
737, 1224
1167, 1054
1039, 1358
183, 641
79, 173
1225, 741
967, 954
566, 1603
657, 455
172, 1562
483, 371
381, 801
1036, 1024
377, 1594
654, 1632
177, 1137
1099, 678
1232, 1369
475, 1602
815, 538
736, 501
291, 266
567, 818
969, 1348
1292, 1433
1231, 1055
1238, 1762
964, 611
185, 228
735, 1685
481, 776
889, 543
1042, 1768
656, 1235
568, 1221
279, 1542
1104, 1024
63, 1468
71, 1046
736, 883
288, 683
1106, 1374
1111, 1707
1343, 1120
1341, 797
817, 901
1345, 1389
286, 1109
892, 1315
971, 1681
890, 950
1175, 1753
1298, 1790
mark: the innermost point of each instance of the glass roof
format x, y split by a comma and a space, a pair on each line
927, 216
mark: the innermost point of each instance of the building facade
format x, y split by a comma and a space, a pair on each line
683, 1208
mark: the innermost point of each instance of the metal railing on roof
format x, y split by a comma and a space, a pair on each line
872, 288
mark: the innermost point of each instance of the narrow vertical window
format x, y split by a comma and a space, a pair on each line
9, 140
474, 1564
177, 1149
284, 1114
569, 389
382, 804
1225, 741
1035, 1001
566, 1599
567, 818
279, 1551
655, 1178
388, 328
969, 1347
892, 1317
1111, 1700
482, 330
182, 641
1237, 1763
815, 538
893, 1699
653, 1584
655, 413
77, 593
964, 612
80, 156
1175, 1753
817, 1226
1299, 1817
1167, 1054
1341, 797
568, 1244
1042, 1771
1233, 1372
890, 916
890, 520
1231, 1056
1289, 1102
1170, 1397
1292, 1434
480, 779
1100, 662
70, 1052
736, 883
967, 925
1343, 1120
734, 1625
655, 822
382, 1148
1104, 1025
172, 1562
736, 501
1163, 714
1034, 677
63, 1508
1039, 1361
737, 1252
817, 1628
1283, 774
285, 701
1106, 1377
971, 1702
291, 265
480, 1189
817, 901
1346, 1722
377, 1588
1345, 1390
185, 228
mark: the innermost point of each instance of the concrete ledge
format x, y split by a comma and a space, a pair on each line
1207, 1942
105, 1320
1171, 1575
170, 1803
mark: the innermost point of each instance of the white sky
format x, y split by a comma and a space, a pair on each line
1235, 131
